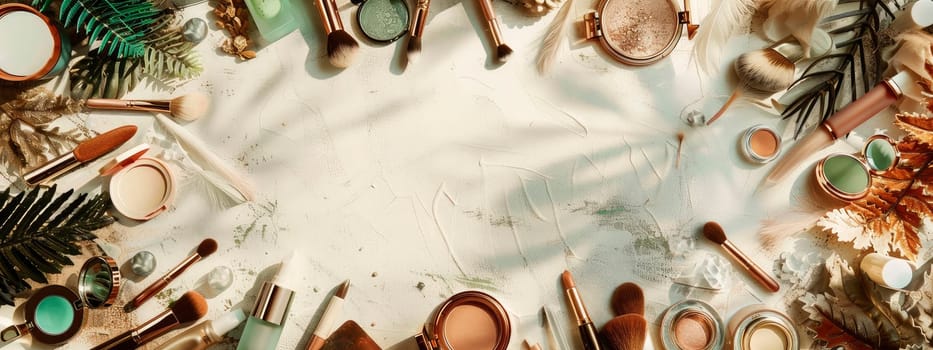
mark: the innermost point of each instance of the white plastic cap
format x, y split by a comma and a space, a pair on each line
897, 273
289, 272
917, 15
228, 321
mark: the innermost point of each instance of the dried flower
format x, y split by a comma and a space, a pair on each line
234, 18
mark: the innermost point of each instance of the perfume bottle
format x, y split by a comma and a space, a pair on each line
265, 323
273, 18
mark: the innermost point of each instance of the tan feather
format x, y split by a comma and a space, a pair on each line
726, 18
795, 17
553, 38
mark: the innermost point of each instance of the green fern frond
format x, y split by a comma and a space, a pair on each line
105, 77
169, 56
38, 232
121, 26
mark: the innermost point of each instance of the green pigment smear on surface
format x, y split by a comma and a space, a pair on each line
846, 174
54, 315
383, 20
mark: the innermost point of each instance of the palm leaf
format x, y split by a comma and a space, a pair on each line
854, 64
169, 56
121, 25
96, 75
38, 233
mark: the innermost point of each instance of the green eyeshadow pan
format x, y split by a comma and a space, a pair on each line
383, 20
54, 315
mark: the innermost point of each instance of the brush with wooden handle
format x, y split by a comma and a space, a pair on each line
715, 233
503, 51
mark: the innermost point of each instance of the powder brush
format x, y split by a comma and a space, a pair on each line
628, 298
188, 107
714, 232
205, 249
187, 309
626, 332
85, 152
766, 71
503, 51
341, 47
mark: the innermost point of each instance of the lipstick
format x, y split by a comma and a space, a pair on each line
584, 323
85, 152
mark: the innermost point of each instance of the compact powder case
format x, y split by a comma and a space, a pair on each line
55, 313
636, 32
692, 325
468, 320
757, 327
845, 177
140, 187
760, 144
42, 52
382, 21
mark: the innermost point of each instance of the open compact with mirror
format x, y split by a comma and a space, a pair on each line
638, 32
55, 313
841, 178
468, 320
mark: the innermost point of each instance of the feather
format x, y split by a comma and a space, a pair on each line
555, 34
726, 18
198, 149
795, 17
794, 220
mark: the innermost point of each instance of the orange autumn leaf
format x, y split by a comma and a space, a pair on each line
827, 331
889, 219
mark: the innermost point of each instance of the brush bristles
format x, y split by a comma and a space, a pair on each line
190, 307
765, 70
414, 48
503, 53
626, 332
207, 247
190, 107
628, 298
341, 48
713, 232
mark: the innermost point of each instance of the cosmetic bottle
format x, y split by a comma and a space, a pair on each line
273, 18
265, 323
204, 335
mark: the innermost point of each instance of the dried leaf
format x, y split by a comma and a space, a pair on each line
889, 219
234, 19
26, 136
922, 311
248, 54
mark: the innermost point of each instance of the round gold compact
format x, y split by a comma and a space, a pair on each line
468, 320
638, 32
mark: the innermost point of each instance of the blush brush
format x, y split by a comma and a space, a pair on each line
187, 309
629, 329
765, 71
205, 249
714, 232
188, 107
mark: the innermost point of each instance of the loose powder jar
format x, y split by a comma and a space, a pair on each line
636, 32
756, 327
760, 144
692, 325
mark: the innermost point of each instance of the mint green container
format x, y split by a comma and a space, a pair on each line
273, 18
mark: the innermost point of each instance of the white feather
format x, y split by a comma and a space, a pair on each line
553, 38
791, 222
726, 18
198, 149
795, 17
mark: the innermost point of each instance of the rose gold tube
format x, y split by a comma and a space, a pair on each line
753, 269
491, 21
129, 105
421, 16
330, 17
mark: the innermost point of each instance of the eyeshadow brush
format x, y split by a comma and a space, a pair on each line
85, 152
715, 233
329, 319
205, 249
341, 47
503, 51
629, 329
584, 323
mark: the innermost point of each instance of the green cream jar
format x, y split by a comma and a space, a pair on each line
55, 313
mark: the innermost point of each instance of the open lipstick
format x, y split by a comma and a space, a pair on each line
85, 152
587, 329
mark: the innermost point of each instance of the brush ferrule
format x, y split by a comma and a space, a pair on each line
330, 17
135, 105
790, 50
576, 304
421, 16
491, 21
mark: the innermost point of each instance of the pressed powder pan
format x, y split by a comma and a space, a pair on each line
468, 320
636, 32
55, 313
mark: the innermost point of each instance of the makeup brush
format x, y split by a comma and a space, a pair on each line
329, 319
187, 309
626, 332
341, 47
713, 232
503, 51
680, 147
584, 323
763, 71
205, 249
84, 152
417, 29
188, 107
628, 298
